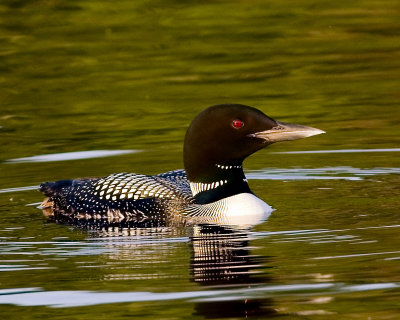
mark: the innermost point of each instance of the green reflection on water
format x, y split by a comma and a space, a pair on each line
100, 75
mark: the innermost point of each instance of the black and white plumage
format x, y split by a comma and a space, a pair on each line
211, 189
119, 198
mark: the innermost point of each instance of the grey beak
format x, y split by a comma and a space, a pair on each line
286, 132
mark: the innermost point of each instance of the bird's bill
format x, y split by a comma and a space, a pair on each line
286, 132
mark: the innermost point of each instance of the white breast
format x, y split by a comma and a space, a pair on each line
244, 209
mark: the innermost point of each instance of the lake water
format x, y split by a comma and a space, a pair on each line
90, 88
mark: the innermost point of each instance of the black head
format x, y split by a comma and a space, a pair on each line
226, 134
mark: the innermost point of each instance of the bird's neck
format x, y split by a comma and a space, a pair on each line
219, 181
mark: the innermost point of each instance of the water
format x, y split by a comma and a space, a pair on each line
111, 87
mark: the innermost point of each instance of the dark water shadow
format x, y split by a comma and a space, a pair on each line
221, 258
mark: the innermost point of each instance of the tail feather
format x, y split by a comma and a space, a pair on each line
50, 189
47, 207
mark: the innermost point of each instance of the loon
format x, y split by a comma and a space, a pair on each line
212, 186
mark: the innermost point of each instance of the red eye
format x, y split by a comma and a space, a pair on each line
237, 124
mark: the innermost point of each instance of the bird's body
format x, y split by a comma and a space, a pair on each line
211, 189
119, 198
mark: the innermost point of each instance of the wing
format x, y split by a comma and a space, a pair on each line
177, 179
172, 185
119, 197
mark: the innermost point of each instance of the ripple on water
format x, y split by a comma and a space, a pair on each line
325, 173
76, 298
340, 151
72, 156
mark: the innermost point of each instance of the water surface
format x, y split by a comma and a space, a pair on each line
95, 82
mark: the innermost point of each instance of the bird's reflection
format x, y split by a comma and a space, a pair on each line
222, 257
